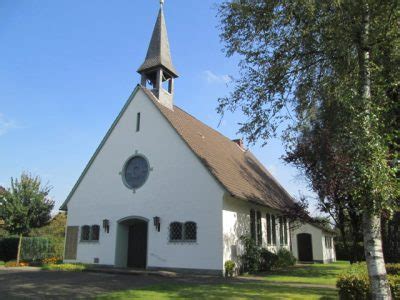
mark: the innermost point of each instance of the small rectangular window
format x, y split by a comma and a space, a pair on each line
138, 122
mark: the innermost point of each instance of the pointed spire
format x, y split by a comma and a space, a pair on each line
158, 53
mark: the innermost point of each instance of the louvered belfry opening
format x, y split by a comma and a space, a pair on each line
157, 71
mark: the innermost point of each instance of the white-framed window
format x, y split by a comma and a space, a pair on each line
328, 242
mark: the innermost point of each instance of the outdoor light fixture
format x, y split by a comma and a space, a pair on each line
157, 223
106, 225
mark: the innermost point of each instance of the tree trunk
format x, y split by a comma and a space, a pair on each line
19, 249
380, 288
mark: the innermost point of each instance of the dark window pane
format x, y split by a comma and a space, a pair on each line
259, 229
85, 233
136, 171
273, 228
138, 122
190, 231
253, 224
95, 232
175, 231
285, 232
281, 231
269, 231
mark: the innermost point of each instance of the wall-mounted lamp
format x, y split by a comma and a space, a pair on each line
157, 223
106, 225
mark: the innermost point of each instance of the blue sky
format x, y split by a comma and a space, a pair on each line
68, 66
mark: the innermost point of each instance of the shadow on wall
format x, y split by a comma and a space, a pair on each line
233, 248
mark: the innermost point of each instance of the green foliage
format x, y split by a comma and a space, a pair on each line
55, 228
1, 263
393, 269
8, 248
39, 248
355, 284
285, 259
251, 257
65, 267
25, 205
229, 268
268, 260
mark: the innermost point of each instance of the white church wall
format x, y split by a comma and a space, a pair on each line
236, 222
179, 188
320, 253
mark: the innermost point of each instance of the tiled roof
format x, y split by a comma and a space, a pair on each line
237, 170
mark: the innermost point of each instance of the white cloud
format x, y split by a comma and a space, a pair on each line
6, 124
211, 77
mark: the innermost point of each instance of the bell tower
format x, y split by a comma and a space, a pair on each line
157, 70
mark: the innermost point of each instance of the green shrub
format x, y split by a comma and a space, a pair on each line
393, 269
354, 283
268, 260
251, 257
229, 268
8, 248
35, 249
1, 263
394, 281
285, 259
65, 267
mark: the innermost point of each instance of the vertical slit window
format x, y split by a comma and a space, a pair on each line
273, 228
281, 241
285, 231
253, 224
269, 232
138, 122
259, 229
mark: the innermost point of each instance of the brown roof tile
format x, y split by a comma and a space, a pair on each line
238, 170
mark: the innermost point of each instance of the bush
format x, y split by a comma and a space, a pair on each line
251, 258
8, 248
39, 248
1, 263
65, 267
268, 260
229, 268
393, 269
55, 260
285, 259
354, 283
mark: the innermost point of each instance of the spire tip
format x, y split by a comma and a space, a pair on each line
161, 3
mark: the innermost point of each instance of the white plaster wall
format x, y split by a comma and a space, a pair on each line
329, 253
236, 222
320, 253
179, 188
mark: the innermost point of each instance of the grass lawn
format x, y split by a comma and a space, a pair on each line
323, 274
284, 284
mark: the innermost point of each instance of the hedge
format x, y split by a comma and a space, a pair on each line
32, 248
354, 283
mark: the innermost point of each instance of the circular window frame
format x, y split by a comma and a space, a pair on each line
122, 173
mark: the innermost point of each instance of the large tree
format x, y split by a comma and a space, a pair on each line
25, 205
300, 59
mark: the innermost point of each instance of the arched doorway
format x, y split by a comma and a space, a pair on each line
304, 247
131, 246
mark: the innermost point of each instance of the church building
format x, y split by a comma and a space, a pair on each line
165, 191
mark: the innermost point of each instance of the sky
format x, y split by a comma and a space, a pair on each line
68, 66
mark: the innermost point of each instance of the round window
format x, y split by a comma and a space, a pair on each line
136, 172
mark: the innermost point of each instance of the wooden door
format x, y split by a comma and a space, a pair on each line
137, 245
71, 242
304, 247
